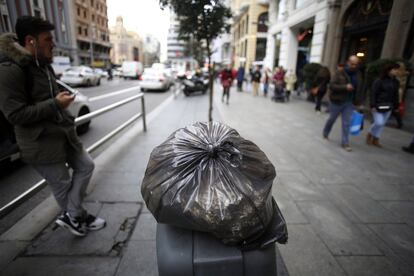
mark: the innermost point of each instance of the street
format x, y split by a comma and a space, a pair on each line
17, 177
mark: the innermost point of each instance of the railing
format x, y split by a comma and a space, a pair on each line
6, 209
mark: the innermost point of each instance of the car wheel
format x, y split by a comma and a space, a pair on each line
83, 128
143, 89
99, 82
88, 83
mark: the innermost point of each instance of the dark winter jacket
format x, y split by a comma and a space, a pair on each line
256, 76
338, 92
44, 131
384, 92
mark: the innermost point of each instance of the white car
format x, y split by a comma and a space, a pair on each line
81, 75
102, 73
153, 79
80, 106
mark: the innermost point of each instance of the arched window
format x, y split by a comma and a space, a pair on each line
262, 22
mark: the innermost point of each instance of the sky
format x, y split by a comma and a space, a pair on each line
143, 17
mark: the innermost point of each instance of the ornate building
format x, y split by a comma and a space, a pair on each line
127, 45
249, 31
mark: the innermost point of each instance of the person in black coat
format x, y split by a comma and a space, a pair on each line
383, 100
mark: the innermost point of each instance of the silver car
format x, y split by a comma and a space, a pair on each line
81, 75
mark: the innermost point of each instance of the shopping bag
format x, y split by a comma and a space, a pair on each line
356, 122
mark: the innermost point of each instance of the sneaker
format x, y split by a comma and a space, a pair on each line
325, 136
72, 224
347, 147
93, 223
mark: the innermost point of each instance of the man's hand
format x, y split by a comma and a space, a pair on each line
64, 99
349, 87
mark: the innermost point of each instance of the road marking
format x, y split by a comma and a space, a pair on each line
93, 99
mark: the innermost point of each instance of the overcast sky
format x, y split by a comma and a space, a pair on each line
142, 16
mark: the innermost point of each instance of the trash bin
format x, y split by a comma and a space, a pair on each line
182, 252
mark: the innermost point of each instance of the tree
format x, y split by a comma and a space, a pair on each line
203, 20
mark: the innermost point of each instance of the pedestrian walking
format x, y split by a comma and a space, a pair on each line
290, 80
343, 88
226, 80
279, 82
240, 78
383, 100
323, 78
267, 74
45, 130
256, 77
410, 147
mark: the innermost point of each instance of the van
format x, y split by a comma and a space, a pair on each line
132, 69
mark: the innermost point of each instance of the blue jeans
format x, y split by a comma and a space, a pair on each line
345, 110
380, 118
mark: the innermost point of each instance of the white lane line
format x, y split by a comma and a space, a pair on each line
97, 98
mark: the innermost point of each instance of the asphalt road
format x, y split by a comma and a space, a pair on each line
17, 177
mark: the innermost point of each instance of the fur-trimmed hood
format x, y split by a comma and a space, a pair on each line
11, 49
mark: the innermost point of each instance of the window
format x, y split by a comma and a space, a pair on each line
79, 13
261, 48
92, 3
84, 13
247, 25
86, 31
6, 23
93, 17
262, 22
79, 30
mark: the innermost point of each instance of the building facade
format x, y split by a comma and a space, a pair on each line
249, 31
297, 33
329, 31
152, 50
127, 45
92, 33
59, 12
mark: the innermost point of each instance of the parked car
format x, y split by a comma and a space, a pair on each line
153, 79
131, 69
102, 73
81, 75
8, 147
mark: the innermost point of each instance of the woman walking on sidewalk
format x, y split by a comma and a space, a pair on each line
226, 80
290, 80
383, 100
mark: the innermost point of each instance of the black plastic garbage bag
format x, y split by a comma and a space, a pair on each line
205, 177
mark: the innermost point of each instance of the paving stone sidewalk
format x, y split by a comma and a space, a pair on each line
348, 213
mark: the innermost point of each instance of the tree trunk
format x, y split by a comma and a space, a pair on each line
210, 84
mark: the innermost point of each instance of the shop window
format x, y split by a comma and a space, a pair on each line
262, 22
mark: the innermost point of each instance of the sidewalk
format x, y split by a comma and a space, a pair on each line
347, 213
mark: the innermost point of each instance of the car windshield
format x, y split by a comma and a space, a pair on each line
152, 73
